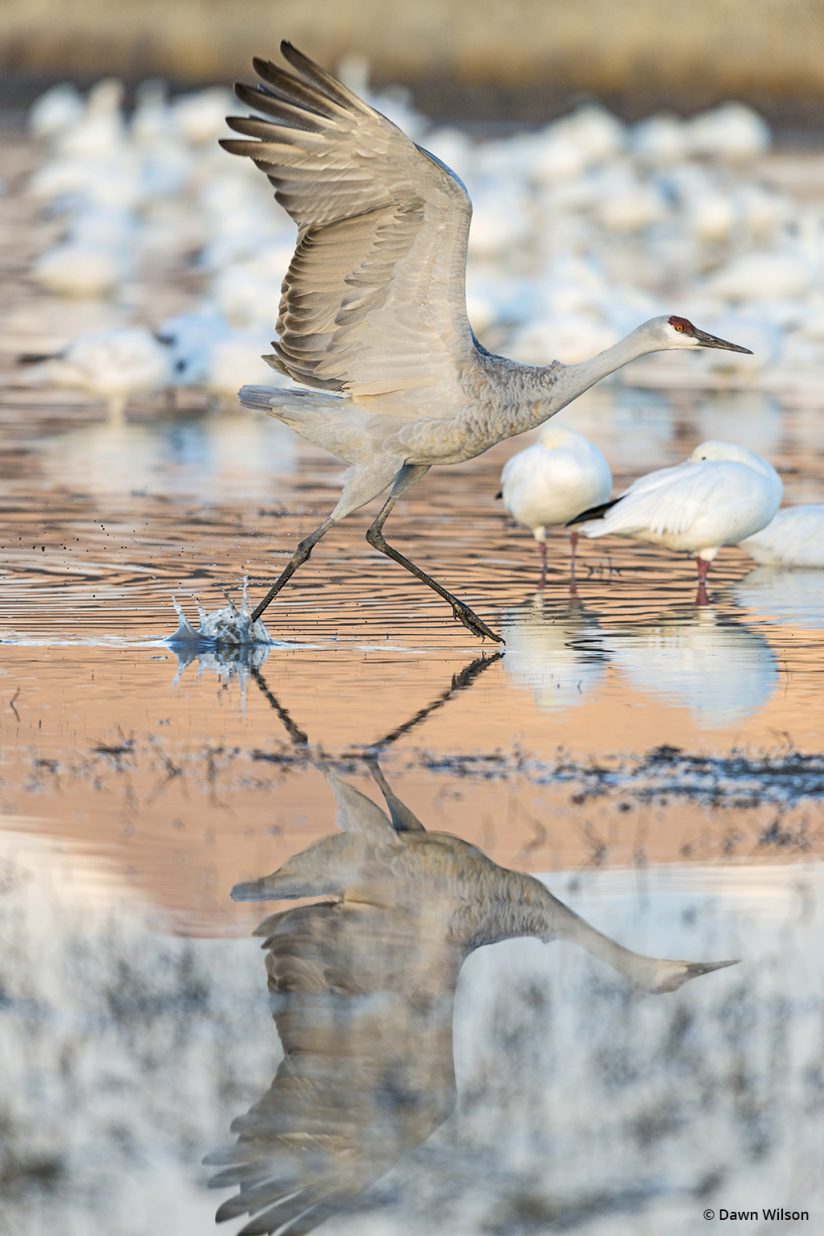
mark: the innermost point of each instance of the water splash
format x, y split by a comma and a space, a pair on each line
225, 641
225, 630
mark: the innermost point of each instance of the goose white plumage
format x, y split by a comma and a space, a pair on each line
115, 365
720, 495
793, 538
552, 481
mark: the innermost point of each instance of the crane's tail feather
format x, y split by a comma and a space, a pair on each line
288, 404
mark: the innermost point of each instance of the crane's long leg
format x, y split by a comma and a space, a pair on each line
298, 558
361, 485
408, 475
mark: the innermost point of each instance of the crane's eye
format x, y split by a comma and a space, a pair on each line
678, 326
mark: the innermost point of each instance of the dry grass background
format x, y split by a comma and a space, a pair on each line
462, 56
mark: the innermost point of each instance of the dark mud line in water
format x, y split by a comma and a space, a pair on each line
735, 781
738, 781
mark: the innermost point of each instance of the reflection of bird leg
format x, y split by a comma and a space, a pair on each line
460, 681
403, 820
297, 735
542, 548
407, 476
703, 566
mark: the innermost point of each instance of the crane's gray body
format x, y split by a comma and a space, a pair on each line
372, 321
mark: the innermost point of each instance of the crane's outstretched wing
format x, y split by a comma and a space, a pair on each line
367, 1070
373, 304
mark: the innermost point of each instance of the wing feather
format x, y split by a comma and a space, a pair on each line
374, 302
672, 501
367, 1071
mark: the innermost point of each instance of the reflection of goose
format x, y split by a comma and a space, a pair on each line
364, 989
792, 596
544, 652
793, 538
719, 669
552, 481
721, 494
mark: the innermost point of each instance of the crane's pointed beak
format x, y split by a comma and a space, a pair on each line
712, 341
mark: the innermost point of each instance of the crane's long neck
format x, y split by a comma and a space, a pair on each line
522, 906
573, 380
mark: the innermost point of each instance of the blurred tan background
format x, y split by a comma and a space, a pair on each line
469, 58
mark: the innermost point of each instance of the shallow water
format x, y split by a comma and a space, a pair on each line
662, 759
103, 525
580, 1103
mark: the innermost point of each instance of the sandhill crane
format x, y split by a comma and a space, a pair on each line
718, 496
373, 309
552, 481
364, 989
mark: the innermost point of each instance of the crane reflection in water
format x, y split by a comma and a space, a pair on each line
363, 987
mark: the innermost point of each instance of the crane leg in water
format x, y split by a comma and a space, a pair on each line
409, 475
360, 486
298, 558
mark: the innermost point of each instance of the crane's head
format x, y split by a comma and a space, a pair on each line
680, 333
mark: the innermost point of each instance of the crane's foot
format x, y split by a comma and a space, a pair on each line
473, 623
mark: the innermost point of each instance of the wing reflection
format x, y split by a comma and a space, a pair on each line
363, 987
553, 647
718, 668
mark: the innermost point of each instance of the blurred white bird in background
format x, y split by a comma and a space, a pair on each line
720, 495
552, 481
207, 352
57, 109
82, 268
114, 365
100, 130
793, 538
